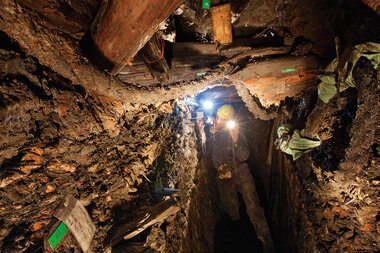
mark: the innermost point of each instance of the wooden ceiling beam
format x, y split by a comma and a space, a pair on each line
274, 80
61, 54
122, 28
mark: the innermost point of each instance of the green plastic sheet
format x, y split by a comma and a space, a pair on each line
328, 88
293, 143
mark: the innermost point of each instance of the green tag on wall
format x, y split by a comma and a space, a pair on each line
288, 70
206, 4
57, 235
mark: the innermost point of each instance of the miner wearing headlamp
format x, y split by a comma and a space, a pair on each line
229, 156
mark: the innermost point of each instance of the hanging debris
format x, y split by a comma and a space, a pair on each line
221, 24
291, 142
328, 87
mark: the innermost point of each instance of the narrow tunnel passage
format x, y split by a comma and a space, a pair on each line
126, 156
234, 230
236, 236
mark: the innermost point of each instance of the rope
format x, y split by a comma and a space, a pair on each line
162, 52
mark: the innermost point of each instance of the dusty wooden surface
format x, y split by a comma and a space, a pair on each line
274, 80
221, 24
191, 60
122, 28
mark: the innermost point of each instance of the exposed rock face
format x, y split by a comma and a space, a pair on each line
344, 195
66, 127
55, 140
314, 21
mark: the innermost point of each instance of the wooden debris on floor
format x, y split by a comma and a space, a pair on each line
154, 215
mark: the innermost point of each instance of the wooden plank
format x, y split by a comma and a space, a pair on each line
191, 60
254, 53
221, 24
195, 54
122, 28
154, 215
274, 80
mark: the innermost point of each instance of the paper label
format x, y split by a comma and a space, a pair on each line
76, 218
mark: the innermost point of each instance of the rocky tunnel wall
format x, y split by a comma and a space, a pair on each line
56, 139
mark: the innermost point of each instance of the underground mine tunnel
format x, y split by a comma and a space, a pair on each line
189, 126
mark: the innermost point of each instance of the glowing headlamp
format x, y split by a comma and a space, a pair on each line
207, 105
231, 124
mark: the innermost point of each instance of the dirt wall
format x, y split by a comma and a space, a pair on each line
57, 139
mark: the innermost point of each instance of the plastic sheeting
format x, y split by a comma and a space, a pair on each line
327, 88
293, 143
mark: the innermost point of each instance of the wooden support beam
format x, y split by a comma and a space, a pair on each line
190, 60
121, 29
62, 55
221, 24
153, 56
274, 80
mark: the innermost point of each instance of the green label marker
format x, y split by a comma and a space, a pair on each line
288, 70
57, 235
206, 4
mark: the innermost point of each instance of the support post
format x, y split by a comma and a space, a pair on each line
153, 56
